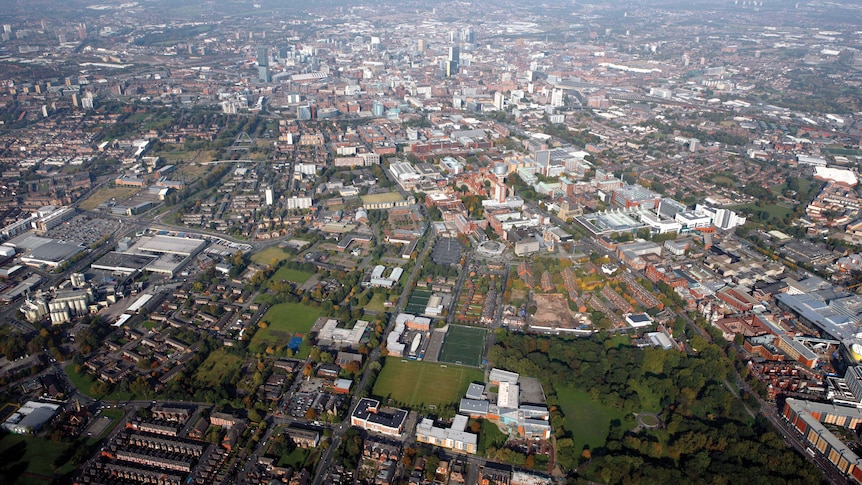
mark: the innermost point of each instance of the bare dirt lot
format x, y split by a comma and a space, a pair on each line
552, 311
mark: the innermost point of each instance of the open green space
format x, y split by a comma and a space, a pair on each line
107, 193
381, 198
283, 320
618, 341
463, 345
288, 274
269, 254
198, 169
805, 188
648, 399
414, 383
264, 298
772, 211
723, 180
377, 303
219, 364
588, 420
28, 459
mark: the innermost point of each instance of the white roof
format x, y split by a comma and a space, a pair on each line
839, 175
140, 302
171, 245
507, 395
500, 375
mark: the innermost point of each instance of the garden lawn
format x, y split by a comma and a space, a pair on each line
295, 459
588, 420
414, 383
283, 321
490, 436
217, 366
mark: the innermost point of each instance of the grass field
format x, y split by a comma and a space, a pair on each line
218, 364
589, 421
722, 179
107, 193
463, 345
267, 255
283, 321
381, 198
649, 401
415, 383
775, 211
28, 454
264, 298
288, 274
377, 303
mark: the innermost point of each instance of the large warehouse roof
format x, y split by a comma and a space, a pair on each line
123, 262
53, 252
171, 245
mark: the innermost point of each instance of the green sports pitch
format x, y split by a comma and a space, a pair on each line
415, 383
463, 345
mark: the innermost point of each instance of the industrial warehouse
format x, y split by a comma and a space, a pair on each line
160, 254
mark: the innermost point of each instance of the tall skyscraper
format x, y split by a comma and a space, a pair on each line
469, 36
499, 100
264, 75
557, 98
453, 61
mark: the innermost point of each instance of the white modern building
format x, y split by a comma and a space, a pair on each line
723, 219
299, 202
